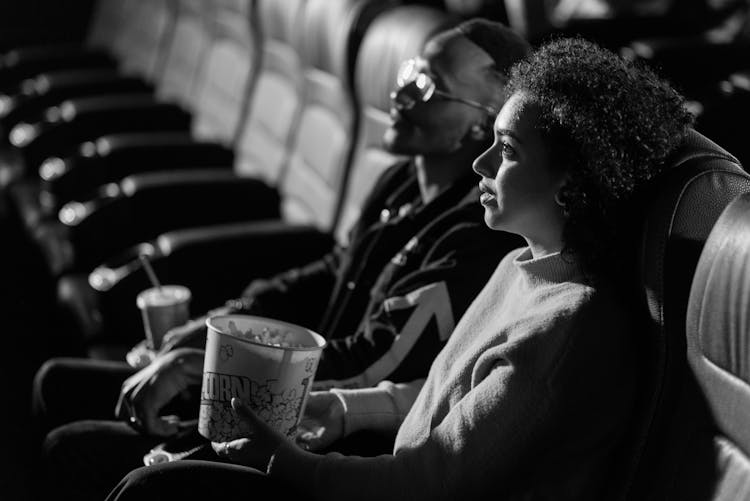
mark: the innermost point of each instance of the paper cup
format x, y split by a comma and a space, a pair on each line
273, 381
163, 308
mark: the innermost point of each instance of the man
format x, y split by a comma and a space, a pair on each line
387, 302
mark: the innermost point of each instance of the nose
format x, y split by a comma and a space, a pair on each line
483, 165
402, 100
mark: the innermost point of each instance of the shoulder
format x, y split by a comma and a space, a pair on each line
598, 327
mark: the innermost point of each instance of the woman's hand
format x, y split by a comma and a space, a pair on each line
145, 393
323, 421
256, 450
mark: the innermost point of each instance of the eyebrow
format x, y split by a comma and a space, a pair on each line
506, 132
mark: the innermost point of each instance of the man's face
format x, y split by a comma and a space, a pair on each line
459, 68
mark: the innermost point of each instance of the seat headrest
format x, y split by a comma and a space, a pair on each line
680, 207
232, 19
194, 7
241, 7
279, 20
333, 31
718, 323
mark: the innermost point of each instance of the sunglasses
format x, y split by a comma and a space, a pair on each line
414, 86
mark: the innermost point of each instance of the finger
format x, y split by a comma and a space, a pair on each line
123, 406
312, 439
221, 449
245, 413
143, 414
231, 448
122, 410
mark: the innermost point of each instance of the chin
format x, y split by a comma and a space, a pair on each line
494, 221
397, 143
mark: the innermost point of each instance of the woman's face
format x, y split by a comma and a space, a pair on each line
519, 179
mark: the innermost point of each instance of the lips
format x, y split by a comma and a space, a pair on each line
488, 195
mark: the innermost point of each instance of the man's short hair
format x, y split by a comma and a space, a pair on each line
504, 46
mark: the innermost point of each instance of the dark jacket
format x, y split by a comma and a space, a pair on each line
389, 300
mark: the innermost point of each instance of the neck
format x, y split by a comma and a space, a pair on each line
436, 173
541, 246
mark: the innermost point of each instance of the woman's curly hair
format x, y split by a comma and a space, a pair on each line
610, 124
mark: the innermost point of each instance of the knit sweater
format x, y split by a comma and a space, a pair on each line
526, 401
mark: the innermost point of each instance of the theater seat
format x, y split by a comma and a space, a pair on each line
99, 304
62, 127
109, 18
714, 463
207, 69
672, 216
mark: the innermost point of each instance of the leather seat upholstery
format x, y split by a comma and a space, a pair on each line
674, 215
715, 464
226, 76
141, 45
323, 137
187, 48
277, 93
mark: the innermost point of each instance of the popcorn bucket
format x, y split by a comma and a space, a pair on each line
268, 364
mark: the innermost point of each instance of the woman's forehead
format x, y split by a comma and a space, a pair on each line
519, 114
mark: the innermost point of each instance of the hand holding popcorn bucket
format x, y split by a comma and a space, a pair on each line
268, 364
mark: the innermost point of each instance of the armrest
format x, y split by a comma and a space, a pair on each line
231, 256
49, 89
110, 158
78, 120
143, 206
678, 57
18, 64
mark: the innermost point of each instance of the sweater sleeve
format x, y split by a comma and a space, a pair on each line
473, 449
408, 325
382, 408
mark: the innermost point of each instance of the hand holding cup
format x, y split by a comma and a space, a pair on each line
146, 392
323, 421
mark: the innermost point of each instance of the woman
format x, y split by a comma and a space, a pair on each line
532, 393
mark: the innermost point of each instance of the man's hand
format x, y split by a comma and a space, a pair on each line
147, 391
191, 334
323, 421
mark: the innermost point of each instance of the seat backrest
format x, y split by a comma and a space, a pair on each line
106, 23
225, 76
715, 465
276, 98
675, 213
186, 52
143, 40
394, 36
323, 139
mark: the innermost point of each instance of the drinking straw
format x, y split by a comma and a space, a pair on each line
149, 271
